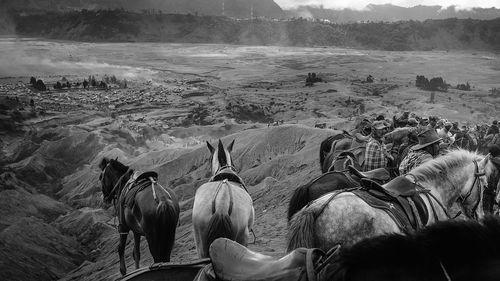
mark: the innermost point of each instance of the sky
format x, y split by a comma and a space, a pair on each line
360, 4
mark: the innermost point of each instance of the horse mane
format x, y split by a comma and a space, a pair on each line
452, 242
221, 155
118, 165
441, 167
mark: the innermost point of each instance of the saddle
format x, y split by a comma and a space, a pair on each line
234, 262
400, 198
136, 183
380, 174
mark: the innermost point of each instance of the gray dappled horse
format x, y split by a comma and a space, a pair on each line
343, 217
222, 207
143, 206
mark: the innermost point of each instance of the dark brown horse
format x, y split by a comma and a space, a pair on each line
143, 206
450, 250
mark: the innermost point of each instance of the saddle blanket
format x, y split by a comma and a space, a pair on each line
409, 218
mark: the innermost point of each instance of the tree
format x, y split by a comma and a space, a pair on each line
40, 85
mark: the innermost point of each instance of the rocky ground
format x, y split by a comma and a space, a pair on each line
53, 224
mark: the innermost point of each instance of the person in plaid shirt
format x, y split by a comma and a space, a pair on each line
376, 153
426, 149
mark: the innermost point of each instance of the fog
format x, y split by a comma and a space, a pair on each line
361, 4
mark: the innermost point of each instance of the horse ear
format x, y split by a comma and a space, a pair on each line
230, 147
210, 147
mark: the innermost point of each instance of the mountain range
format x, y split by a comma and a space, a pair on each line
257, 8
230, 8
391, 13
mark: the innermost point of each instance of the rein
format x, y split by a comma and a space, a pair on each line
461, 199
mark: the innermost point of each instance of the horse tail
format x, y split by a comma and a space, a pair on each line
300, 198
167, 218
301, 230
219, 226
326, 146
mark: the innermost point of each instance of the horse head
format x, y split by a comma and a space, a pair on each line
112, 172
459, 176
221, 157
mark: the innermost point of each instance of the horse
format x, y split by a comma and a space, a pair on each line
457, 250
222, 207
343, 217
318, 187
144, 206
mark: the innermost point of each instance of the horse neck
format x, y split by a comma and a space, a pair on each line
123, 178
448, 189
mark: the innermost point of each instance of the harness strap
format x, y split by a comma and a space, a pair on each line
230, 210
445, 272
415, 213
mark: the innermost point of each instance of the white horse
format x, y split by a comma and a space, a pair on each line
222, 207
344, 218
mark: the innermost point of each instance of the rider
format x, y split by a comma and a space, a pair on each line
376, 154
490, 190
426, 149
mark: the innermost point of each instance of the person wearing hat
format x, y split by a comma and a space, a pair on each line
493, 128
493, 181
446, 135
412, 122
376, 154
433, 120
426, 149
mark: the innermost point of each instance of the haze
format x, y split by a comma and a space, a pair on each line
361, 4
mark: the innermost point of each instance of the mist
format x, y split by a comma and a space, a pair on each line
361, 4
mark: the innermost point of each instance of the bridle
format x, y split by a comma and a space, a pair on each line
230, 167
461, 199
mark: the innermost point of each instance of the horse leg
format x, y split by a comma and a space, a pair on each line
137, 249
121, 250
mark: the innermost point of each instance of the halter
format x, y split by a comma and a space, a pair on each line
231, 167
461, 199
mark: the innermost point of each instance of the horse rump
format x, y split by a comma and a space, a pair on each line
219, 226
161, 239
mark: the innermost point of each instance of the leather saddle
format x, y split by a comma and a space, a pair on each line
234, 262
379, 175
400, 198
138, 181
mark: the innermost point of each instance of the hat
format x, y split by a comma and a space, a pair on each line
378, 125
425, 139
495, 122
447, 124
412, 121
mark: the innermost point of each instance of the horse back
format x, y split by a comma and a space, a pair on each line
216, 196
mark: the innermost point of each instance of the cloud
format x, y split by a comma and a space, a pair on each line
360, 4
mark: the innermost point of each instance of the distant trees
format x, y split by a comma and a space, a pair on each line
37, 84
435, 84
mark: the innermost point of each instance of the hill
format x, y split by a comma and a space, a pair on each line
232, 8
121, 26
391, 13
